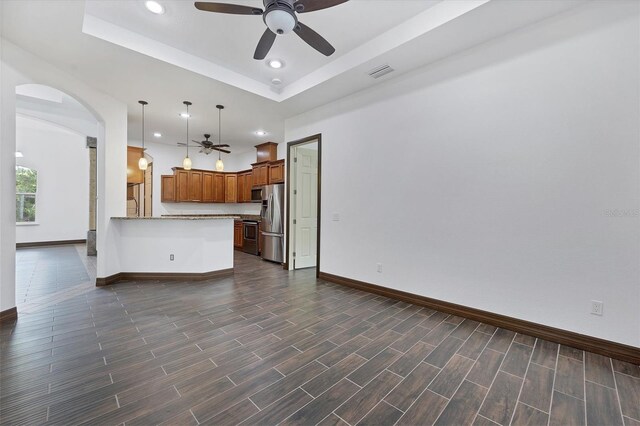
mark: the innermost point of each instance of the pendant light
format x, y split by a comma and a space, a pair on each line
219, 163
186, 163
142, 162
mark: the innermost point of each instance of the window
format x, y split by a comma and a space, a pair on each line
26, 188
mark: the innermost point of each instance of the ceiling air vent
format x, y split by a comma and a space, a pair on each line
379, 71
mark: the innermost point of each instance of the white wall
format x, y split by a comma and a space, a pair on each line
198, 246
488, 179
61, 158
166, 156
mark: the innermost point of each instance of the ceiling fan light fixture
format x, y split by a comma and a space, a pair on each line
154, 7
280, 21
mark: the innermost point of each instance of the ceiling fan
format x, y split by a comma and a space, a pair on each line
280, 18
209, 146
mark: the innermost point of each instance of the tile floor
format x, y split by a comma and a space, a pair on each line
271, 347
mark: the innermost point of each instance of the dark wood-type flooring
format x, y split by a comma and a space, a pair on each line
271, 347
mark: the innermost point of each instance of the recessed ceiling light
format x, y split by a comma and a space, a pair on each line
19, 154
276, 81
185, 115
157, 135
275, 63
154, 7
261, 133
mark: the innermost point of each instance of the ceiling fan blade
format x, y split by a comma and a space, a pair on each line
234, 9
181, 143
314, 39
264, 45
199, 143
224, 145
222, 150
303, 6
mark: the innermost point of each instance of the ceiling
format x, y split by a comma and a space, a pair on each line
123, 50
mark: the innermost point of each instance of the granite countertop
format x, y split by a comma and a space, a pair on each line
185, 217
213, 216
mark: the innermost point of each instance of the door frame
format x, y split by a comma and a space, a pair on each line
290, 146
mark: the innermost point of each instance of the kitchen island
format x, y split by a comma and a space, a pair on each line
172, 247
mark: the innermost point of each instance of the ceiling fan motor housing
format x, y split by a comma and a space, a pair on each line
279, 16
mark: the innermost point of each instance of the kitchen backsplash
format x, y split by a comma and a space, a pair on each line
195, 208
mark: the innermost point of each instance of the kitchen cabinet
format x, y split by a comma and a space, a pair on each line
240, 188
168, 188
182, 186
260, 174
208, 188
218, 188
245, 184
230, 188
195, 185
237, 234
134, 174
276, 171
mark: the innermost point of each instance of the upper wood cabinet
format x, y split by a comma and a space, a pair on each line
276, 171
267, 151
208, 189
134, 174
168, 188
182, 186
230, 188
218, 186
195, 185
260, 174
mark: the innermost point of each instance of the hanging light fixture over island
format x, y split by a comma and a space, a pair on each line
142, 162
186, 163
219, 163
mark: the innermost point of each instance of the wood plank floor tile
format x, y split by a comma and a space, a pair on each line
537, 387
464, 405
333, 420
501, 340
382, 414
603, 407
414, 356
282, 387
412, 386
570, 352
486, 367
517, 359
626, 368
529, 416
474, 345
281, 409
425, 410
368, 397
338, 354
333, 375
502, 398
629, 392
323, 405
570, 377
441, 355
451, 376
545, 353
566, 410
374, 366
598, 369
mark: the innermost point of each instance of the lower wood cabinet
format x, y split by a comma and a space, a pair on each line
237, 234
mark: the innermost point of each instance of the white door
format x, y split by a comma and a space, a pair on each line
306, 207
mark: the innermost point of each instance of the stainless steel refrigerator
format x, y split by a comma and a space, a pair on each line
272, 215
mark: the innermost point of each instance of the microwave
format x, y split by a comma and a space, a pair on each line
256, 195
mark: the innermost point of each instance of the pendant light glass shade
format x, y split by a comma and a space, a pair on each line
142, 162
186, 163
219, 163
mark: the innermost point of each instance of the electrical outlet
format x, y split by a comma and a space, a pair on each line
596, 307
380, 267
171, 257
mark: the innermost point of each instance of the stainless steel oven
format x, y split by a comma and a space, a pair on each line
250, 233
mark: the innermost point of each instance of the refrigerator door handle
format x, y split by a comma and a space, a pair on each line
271, 234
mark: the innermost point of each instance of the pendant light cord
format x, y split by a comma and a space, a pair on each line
188, 130
219, 131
